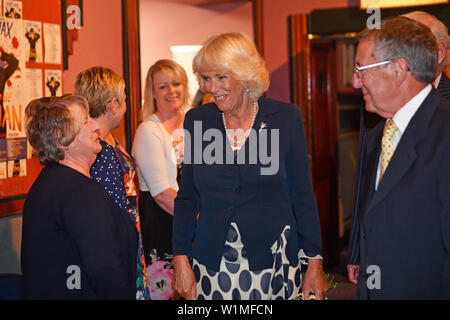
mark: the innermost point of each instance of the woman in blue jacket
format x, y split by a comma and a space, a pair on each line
246, 212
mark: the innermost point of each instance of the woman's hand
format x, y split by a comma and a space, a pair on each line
183, 278
315, 280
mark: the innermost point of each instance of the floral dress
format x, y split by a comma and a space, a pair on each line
115, 170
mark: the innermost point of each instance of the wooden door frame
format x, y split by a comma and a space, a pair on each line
131, 67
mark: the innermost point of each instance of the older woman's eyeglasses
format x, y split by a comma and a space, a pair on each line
358, 70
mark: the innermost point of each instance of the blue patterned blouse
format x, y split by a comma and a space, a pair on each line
113, 169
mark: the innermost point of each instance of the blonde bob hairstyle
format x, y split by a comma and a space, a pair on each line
234, 53
99, 85
174, 70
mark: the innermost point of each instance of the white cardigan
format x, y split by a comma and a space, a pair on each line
155, 157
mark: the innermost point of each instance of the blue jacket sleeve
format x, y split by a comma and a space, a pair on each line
187, 201
301, 189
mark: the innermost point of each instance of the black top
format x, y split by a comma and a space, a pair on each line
76, 242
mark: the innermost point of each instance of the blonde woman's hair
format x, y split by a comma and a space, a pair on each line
174, 70
235, 53
99, 85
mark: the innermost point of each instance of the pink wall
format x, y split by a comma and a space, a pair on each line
99, 43
276, 39
99, 40
179, 24
164, 24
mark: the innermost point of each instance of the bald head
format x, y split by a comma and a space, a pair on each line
438, 29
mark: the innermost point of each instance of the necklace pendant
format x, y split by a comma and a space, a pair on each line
235, 142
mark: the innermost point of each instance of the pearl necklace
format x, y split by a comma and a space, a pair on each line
235, 142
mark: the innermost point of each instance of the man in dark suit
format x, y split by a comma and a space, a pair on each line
404, 202
370, 119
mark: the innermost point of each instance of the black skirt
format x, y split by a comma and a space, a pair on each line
156, 227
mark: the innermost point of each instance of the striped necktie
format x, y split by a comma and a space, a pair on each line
387, 146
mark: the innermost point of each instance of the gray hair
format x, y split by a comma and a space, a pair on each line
50, 125
401, 37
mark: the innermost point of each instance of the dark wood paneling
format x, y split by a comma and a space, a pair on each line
300, 71
343, 20
131, 67
312, 71
324, 142
258, 24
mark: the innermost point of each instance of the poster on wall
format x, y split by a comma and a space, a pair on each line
14, 53
17, 155
53, 83
17, 168
33, 32
14, 99
52, 43
12, 9
33, 79
3, 159
12, 64
3, 172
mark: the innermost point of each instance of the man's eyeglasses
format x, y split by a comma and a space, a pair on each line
373, 65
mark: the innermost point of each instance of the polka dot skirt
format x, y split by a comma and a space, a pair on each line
234, 281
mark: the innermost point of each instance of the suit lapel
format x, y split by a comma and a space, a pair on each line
400, 163
405, 153
372, 155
